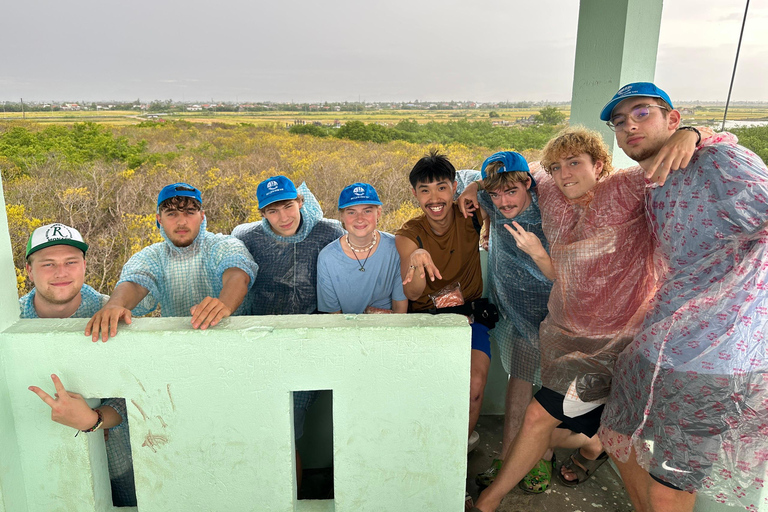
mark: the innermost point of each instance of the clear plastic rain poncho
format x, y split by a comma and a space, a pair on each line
287, 280
601, 249
690, 394
180, 277
517, 287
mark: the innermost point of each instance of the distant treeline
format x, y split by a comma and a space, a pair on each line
470, 133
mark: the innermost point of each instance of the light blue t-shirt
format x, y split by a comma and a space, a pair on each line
341, 286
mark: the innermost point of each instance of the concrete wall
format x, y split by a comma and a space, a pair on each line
209, 412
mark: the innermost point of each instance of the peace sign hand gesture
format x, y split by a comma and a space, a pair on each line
530, 244
526, 241
67, 408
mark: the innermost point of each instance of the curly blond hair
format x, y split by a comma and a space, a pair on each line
573, 141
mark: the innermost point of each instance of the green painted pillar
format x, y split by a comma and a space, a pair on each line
12, 496
616, 44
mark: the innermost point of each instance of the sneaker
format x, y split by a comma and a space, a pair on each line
474, 440
487, 477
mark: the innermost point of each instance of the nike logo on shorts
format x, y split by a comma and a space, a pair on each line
670, 468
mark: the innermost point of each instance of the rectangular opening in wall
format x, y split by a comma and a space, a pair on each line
117, 449
313, 431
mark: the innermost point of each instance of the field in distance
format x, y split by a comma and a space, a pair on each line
699, 115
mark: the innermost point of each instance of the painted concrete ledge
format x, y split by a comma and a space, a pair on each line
210, 412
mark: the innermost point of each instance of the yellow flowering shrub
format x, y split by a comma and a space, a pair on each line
114, 206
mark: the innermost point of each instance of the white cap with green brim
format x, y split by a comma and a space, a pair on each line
55, 234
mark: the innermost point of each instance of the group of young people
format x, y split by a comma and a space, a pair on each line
636, 300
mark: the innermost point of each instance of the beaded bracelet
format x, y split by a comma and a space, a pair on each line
98, 424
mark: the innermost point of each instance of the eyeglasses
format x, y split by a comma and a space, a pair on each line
638, 115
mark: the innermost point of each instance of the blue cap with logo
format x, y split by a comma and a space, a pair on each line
358, 193
512, 162
634, 89
276, 188
178, 190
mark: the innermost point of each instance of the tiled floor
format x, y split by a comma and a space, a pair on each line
604, 492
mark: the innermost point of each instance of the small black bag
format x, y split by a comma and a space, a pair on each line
481, 311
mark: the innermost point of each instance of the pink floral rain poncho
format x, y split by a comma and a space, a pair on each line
690, 393
601, 249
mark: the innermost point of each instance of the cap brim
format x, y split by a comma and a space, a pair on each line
355, 203
605, 114
74, 243
279, 197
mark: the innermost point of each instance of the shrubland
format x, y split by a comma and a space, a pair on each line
104, 180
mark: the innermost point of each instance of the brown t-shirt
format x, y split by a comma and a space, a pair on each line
456, 254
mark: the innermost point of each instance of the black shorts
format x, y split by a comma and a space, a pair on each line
552, 402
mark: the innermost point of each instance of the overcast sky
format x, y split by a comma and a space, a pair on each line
345, 50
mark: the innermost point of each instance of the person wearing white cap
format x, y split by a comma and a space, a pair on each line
56, 266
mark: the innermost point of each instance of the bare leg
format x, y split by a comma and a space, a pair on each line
647, 494
666, 499
527, 448
480, 364
519, 394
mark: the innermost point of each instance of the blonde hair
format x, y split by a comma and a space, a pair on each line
495, 180
575, 141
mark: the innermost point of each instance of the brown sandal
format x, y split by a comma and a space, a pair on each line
581, 466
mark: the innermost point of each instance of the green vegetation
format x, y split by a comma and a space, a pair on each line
22, 149
754, 138
470, 133
549, 115
104, 179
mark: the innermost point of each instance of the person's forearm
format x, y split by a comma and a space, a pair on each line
111, 417
416, 286
234, 286
127, 295
544, 262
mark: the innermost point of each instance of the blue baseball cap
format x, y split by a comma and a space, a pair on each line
179, 190
634, 89
358, 193
512, 161
276, 188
